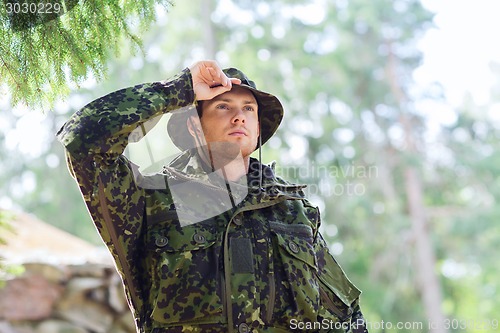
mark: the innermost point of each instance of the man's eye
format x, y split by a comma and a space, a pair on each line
222, 106
249, 108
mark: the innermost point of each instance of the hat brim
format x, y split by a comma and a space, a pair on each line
270, 115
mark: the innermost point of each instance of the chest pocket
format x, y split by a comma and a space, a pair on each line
297, 287
317, 285
186, 274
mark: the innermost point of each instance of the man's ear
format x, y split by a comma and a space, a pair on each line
194, 126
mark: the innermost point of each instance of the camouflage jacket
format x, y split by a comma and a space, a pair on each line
259, 267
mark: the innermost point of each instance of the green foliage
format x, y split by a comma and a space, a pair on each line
37, 61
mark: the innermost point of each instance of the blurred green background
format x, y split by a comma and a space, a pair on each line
406, 173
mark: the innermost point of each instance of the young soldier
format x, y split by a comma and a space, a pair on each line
215, 242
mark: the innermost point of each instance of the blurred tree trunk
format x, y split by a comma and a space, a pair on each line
427, 280
209, 40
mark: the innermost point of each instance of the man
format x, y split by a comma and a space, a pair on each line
215, 242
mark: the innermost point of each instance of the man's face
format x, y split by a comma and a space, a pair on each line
231, 117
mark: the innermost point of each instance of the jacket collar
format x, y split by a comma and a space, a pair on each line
189, 166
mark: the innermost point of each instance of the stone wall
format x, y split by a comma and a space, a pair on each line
49, 298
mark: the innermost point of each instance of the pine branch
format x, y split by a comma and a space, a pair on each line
40, 56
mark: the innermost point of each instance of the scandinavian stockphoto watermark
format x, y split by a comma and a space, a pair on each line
325, 325
448, 324
26, 14
330, 180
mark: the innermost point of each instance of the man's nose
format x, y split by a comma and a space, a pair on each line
239, 116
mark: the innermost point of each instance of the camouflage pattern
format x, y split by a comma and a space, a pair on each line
256, 268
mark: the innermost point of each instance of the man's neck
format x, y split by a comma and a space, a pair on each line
235, 169
229, 168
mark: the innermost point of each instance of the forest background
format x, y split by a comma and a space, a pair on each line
408, 182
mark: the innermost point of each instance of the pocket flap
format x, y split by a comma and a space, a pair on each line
168, 236
297, 247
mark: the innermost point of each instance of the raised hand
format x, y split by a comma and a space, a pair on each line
209, 80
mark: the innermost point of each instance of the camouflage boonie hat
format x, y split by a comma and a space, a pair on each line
270, 113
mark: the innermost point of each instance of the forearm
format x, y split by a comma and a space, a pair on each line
103, 125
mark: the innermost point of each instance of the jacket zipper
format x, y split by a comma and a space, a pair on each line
272, 298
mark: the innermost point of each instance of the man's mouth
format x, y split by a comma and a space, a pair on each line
238, 133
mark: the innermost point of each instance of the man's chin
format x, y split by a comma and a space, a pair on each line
224, 151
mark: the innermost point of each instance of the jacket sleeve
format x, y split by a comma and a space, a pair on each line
103, 126
95, 138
